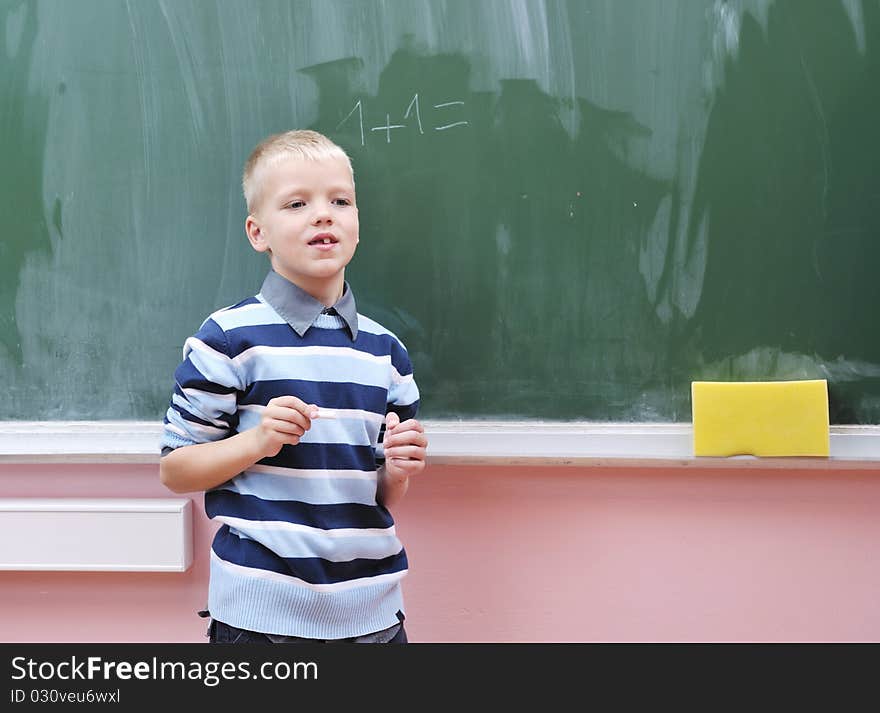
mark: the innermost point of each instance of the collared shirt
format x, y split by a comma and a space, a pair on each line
299, 309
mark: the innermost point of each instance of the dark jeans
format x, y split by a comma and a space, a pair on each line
221, 633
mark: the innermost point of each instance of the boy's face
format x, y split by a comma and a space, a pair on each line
306, 218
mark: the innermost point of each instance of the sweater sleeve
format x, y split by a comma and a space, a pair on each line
204, 405
403, 394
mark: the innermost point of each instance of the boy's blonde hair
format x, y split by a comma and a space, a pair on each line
299, 143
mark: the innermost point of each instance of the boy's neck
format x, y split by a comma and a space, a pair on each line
326, 291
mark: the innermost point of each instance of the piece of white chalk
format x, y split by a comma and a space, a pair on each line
324, 413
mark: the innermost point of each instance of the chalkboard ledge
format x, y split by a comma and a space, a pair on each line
581, 443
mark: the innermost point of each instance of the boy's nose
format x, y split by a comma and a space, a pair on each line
322, 215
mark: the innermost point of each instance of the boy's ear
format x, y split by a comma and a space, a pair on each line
255, 234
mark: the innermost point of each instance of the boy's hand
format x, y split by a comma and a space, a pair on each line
405, 447
285, 420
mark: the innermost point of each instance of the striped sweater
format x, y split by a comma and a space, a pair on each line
304, 549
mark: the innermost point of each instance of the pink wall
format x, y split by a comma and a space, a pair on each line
525, 554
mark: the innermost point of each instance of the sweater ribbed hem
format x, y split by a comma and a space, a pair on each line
274, 606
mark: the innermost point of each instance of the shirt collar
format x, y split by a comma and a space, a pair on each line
299, 309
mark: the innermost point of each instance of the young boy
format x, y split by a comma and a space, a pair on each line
277, 414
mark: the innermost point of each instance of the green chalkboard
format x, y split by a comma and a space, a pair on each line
569, 209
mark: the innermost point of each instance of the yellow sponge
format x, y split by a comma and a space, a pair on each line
761, 418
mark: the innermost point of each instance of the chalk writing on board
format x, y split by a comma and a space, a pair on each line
454, 123
415, 103
413, 111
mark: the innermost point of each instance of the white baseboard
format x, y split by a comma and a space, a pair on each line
96, 534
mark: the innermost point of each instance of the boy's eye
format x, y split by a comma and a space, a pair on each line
342, 201
296, 204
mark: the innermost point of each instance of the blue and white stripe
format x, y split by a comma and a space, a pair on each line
304, 548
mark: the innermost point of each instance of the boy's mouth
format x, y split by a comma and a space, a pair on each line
323, 239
